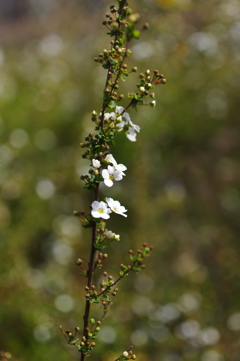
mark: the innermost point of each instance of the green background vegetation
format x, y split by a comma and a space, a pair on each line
181, 190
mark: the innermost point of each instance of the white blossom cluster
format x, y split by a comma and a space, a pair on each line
123, 122
113, 171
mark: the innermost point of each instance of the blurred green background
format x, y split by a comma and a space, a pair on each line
181, 190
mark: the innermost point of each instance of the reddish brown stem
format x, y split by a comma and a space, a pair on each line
90, 273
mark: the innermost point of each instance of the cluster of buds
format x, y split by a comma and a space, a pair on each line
127, 355
95, 144
87, 344
124, 270
92, 294
99, 261
71, 337
138, 257
148, 81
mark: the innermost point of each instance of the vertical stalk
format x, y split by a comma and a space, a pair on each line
90, 273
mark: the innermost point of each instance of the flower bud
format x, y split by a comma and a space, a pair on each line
134, 18
79, 261
134, 69
114, 25
145, 26
125, 354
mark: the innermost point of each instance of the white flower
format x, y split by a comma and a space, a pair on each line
100, 210
96, 163
110, 174
142, 89
109, 158
109, 115
116, 207
153, 103
125, 354
132, 135
110, 234
119, 110
120, 167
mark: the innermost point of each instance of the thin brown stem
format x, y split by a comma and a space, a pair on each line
90, 273
113, 284
130, 103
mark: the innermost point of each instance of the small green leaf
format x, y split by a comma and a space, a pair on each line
136, 34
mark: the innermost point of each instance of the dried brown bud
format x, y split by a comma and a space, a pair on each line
145, 26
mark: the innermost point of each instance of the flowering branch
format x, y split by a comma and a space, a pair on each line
121, 24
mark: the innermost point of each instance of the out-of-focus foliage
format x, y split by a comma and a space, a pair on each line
182, 184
